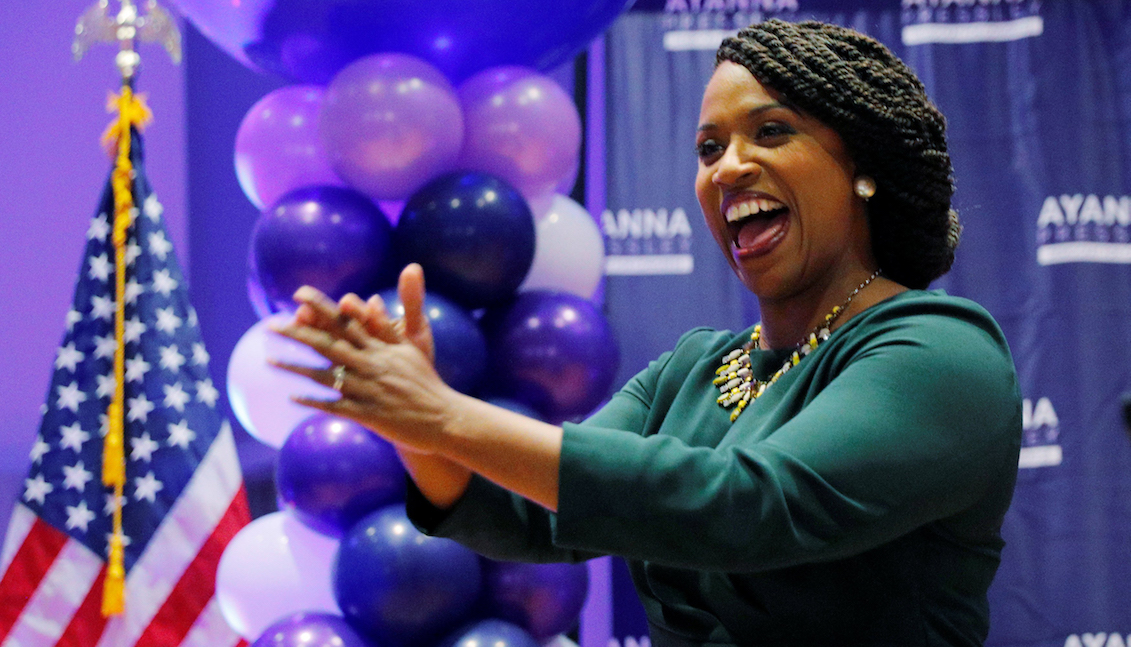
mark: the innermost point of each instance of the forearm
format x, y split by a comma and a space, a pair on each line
518, 453
440, 480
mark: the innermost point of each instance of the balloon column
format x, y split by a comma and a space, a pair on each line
424, 134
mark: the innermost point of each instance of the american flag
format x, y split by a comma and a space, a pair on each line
184, 497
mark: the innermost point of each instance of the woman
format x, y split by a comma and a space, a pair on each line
838, 474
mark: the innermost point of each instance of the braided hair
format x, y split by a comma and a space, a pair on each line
893, 132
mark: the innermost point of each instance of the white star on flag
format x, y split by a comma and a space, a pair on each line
70, 397
104, 347
139, 408
99, 267
68, 357
159, 246
199, 355
78, 516
133, 290
147, 487
192, 320
171, 358
106, 384
99, 227
73, 437
136, 368
103, 424
102, 307
75, 477
206, 393
133, 250
175, 396
180, 435
163, 283
143, 448
73, 317
134, 330
108, 507
153, 209
37, 489
167, 320
39, 449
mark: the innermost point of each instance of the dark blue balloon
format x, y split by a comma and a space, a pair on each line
553, 351
310, 629
402, 587
472, 233
515, 406
490, 633
543, 599
461, 350
334, 239
332, 472
310, 40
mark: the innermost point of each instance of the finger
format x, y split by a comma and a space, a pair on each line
323, 376
372, 316
318, 311
335, 349
410, 288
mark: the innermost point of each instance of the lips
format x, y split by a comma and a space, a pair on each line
755, 223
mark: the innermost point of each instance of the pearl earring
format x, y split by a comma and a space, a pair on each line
864, 187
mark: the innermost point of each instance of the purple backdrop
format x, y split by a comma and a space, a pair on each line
52, 114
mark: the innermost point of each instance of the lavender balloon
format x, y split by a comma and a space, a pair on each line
543, 599
522, 127
332, 472
553, 351
278, 148
333, 239
310, 630
492, 633
390, 122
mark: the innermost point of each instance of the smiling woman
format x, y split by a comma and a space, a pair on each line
858, 498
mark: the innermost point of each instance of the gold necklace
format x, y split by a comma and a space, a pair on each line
736, 381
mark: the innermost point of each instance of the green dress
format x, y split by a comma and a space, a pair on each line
859, 501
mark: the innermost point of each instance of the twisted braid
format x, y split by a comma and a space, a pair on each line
857, 87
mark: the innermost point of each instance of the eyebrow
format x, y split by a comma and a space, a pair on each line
752, 113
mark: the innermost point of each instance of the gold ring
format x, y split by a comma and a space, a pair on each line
339, 377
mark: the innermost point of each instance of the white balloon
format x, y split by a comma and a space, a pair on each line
569, 251
260, 393
274, 567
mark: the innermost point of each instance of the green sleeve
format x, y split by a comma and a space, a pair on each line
501, 525
921, 420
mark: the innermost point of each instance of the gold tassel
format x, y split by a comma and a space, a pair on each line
132, 112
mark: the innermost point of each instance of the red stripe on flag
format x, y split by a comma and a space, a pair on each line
197, 584
28, 567
86, 626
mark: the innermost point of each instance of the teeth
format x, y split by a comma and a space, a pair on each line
751, 207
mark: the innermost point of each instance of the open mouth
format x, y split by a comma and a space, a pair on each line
754, 225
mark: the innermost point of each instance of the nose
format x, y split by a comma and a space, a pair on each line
736, 167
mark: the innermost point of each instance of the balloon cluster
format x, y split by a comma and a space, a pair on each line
404, 157
341, 564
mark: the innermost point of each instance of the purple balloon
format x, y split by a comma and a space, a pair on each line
390, 123
278, 148
520, 126
461, 350
490, 633
553, 351
401, 586
333, 239
472, 233
310, 630
332, 472
310, 40
543, 599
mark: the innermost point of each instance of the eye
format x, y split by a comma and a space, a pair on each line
775, 129
708, 149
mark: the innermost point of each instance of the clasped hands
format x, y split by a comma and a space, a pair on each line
383, 366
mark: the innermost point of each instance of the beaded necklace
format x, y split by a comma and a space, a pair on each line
736, 381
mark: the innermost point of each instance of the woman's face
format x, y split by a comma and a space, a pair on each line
775, 186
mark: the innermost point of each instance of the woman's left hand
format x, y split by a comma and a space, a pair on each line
388, 385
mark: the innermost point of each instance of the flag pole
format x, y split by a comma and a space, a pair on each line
126, 28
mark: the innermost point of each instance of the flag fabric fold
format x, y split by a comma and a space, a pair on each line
183, 497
